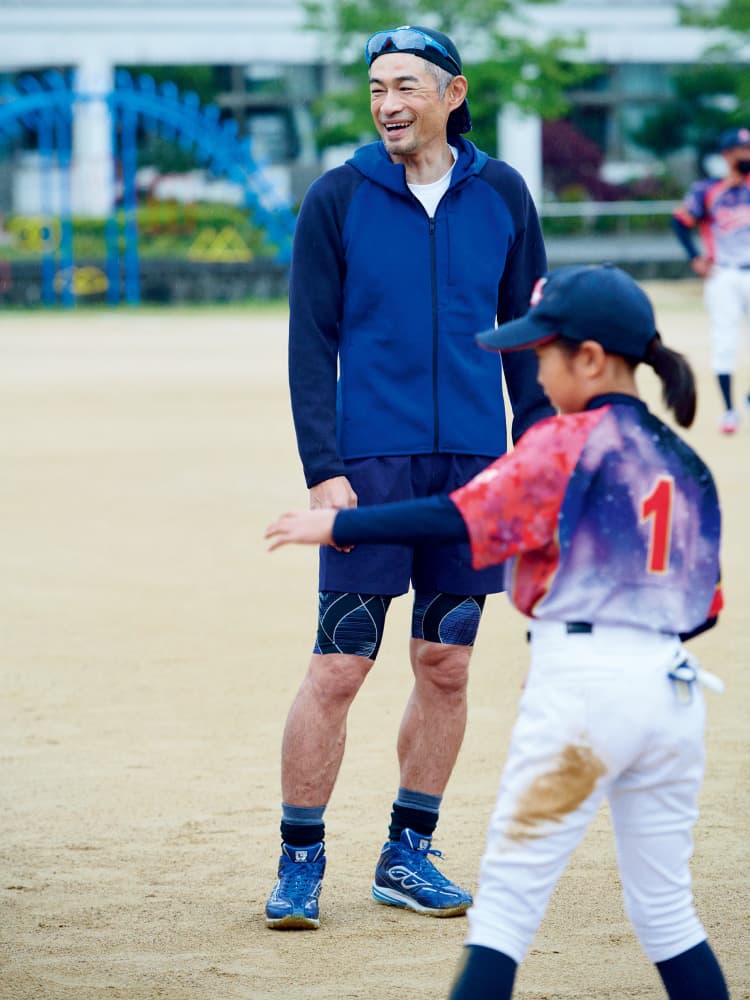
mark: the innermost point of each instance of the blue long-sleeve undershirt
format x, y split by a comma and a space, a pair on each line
432, 519
685, 235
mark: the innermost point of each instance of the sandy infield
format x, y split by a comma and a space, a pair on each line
151, 648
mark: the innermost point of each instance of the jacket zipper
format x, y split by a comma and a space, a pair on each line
433, 274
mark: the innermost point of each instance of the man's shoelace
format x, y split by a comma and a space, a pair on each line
299, 876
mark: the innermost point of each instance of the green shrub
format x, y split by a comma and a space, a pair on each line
165, 229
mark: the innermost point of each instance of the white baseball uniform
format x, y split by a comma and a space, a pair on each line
721, 213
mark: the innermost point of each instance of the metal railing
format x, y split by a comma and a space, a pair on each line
620, 218
636, 235
597, 209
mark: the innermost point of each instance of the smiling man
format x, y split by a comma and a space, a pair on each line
400, 256
409, 97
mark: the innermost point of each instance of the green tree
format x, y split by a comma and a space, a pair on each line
732, 14
503, 67
708, 97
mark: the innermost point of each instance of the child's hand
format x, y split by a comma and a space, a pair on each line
302, 527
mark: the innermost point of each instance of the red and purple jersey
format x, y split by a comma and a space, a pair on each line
603, 516
722, 214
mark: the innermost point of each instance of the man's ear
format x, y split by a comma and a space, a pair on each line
458, 88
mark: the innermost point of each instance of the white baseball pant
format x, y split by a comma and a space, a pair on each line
598, 718
726, 294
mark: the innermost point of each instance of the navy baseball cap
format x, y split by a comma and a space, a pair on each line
431, 45
582, 302
734, 137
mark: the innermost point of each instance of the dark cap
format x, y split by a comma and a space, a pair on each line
734, 137
590, 302
459, 121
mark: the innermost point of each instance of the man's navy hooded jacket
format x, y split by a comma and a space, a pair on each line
389, 300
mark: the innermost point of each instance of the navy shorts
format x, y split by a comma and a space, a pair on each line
389, 569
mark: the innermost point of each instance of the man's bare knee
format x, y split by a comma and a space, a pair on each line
442, 667
335, 678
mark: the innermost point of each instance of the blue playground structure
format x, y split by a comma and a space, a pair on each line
44, 106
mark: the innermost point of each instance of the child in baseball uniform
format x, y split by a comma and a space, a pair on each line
719, 210
608, 525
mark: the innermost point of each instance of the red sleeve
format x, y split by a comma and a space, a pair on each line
717, 604
512, 506
682, 215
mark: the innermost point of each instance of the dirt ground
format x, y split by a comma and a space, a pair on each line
150, 648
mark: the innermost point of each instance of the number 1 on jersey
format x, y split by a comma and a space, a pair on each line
658, 506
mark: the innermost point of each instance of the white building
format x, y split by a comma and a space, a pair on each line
635, 39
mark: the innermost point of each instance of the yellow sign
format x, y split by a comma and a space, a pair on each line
35, 234
82, 281
225, 246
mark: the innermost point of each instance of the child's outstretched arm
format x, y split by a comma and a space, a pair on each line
432, 519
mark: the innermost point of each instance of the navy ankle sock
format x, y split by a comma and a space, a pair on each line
416, 810
302, 825
693, 975
484, 973
302, 836
415, 819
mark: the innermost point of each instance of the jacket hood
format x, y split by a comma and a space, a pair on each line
373, 162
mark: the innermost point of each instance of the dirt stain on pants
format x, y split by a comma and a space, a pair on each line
556, 793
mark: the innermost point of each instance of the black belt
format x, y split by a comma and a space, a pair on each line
579, 628
572, 628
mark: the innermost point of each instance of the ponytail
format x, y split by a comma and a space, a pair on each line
677, 379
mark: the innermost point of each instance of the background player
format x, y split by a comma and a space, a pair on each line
616, 567
399, 255
720, 209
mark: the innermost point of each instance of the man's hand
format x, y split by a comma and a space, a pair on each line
302, 527
702, 266
336, 493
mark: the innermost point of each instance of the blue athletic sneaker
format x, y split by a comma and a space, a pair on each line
406, 877
293, 904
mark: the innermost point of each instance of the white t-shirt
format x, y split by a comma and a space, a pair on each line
430, 194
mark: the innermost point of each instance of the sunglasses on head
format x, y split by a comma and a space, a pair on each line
404, 39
